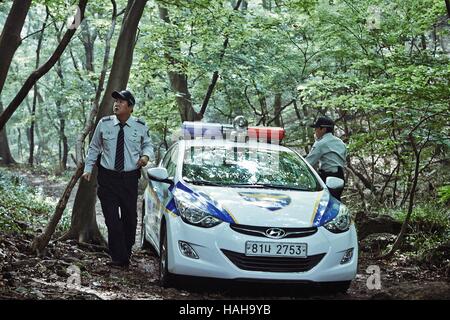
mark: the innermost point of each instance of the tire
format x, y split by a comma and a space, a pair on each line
145, 244
166, 279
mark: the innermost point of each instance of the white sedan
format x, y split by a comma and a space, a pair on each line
247, 211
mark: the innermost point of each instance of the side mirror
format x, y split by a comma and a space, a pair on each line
159, 174
334, 183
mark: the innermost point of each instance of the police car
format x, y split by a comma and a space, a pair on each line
230, 202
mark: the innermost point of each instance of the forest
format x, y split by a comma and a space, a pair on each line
380, 69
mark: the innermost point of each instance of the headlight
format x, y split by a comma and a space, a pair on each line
341, 222
195, 216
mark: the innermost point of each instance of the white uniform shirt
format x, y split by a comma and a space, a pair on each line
137, 143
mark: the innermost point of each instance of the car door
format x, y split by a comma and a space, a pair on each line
162, 190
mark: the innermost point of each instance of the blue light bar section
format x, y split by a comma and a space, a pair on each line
192, 130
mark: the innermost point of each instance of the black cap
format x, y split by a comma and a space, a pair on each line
323, 122
124, 95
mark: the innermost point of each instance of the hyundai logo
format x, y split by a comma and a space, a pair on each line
275, 233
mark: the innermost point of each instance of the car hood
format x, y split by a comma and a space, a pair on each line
264, 207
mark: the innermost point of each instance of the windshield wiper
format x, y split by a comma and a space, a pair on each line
267, 185
204, 183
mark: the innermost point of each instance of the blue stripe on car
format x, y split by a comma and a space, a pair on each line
172, 207
202, 201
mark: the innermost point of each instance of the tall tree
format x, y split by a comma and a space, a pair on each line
36, 92
178, 79
5, 153
41, 71
10, 38
215, 76
84, 225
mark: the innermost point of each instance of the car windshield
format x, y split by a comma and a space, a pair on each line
247, 166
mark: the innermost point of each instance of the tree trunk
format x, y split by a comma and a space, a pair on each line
215, 76
178, 80
19, 144
65, 145
84, 225
88, 41
64, 151
40, 242
401, 235
36, 93
6, 157
10, 37
447, 5
277, 110
41, 71
267, 4
31, 129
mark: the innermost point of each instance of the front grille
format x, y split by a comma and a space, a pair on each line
261, 231
273, 264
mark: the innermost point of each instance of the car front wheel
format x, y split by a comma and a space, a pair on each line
166, 279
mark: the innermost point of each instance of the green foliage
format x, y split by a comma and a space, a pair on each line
444, 194
21, 205
429, 227
387, 84
427, 217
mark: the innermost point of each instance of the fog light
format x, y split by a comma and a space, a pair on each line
348, 254
187, 250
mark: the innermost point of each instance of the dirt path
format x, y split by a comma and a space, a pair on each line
69, 271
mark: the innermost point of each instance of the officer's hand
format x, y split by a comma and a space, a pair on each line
142, 161
87, 176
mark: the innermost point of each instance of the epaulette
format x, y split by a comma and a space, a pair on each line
107, 118
140, 121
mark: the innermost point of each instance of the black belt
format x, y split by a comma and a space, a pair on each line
117, 174
338, 174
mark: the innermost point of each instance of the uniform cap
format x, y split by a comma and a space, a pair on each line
124, 95
323, 122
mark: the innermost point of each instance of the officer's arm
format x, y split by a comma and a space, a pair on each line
147, 145
314, 155
94, 149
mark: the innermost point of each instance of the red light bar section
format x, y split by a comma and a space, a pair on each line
266, 133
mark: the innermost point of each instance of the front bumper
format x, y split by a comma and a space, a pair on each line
220, 248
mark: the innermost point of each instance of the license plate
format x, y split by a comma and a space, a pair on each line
275, 249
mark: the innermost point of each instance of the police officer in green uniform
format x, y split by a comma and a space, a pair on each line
328, 152
124, 146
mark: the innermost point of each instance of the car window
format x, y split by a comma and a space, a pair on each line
225, 165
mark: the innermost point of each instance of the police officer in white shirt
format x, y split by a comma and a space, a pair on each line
124, 146
328, 152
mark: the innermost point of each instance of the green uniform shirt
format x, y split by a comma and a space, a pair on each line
329, 152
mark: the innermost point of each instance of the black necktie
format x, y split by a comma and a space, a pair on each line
119, 162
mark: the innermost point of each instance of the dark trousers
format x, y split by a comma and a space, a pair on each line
119, 190
339, 174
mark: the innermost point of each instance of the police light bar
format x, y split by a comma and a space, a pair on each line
193, 130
